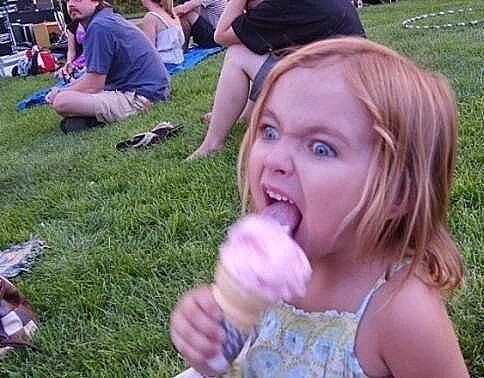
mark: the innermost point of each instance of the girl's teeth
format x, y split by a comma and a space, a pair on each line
278, 197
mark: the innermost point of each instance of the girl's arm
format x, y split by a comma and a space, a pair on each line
187, 7
196, 330
149, 28
71, 47
67, 68
416, 337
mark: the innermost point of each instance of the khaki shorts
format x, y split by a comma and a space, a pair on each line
113, 106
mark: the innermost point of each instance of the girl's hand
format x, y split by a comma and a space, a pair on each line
196, 330
67, 69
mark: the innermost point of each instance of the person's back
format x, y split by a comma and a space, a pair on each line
163, 28
119, 49
169, 44
278, 24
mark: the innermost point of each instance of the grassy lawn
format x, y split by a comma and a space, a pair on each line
129, 232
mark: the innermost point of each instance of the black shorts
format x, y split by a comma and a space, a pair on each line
261, 75
202, 32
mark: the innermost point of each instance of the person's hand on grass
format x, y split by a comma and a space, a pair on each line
196, 330
52, 95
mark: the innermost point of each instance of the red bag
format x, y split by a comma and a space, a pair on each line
50, 62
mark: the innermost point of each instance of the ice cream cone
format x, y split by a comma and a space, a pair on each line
241, 308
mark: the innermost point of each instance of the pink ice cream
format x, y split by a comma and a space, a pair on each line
262, 257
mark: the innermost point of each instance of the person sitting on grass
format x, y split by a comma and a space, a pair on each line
124, 72
254, 30
75, 59
163, 28
199, 18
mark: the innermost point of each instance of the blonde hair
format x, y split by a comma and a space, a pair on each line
405, 198
167, 6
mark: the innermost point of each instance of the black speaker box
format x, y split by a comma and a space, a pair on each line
32, 16
3, 25
25, 5
23, 33
6, 48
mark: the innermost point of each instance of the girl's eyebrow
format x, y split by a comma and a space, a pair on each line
314, 129
266, 112
333, 132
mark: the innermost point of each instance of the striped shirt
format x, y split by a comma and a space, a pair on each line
211, 10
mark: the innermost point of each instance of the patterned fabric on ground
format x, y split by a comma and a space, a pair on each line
19, 257
17, 318
191, 58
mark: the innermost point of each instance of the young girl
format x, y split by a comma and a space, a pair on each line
162, 26
362, 142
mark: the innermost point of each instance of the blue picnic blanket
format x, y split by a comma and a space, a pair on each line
192, 57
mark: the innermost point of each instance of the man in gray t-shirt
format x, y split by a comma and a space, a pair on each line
199, 18
124, 72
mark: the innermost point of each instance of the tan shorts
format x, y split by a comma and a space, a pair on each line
113, 106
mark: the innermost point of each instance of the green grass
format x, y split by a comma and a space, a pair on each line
129, 232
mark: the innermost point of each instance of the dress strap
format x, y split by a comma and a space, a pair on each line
379, 283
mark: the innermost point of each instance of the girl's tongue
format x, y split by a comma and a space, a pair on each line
285, 213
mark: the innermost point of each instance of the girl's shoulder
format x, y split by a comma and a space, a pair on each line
408, 321
163, 17
404, 302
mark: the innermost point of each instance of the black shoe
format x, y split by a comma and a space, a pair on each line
75, 124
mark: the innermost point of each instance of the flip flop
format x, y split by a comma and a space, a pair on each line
159, 133
166, 129
139, 140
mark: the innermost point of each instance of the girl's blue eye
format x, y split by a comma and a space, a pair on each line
322, 149
269, 132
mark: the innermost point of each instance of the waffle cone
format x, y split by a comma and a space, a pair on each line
241, 308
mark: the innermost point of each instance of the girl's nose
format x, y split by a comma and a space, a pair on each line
279, 159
